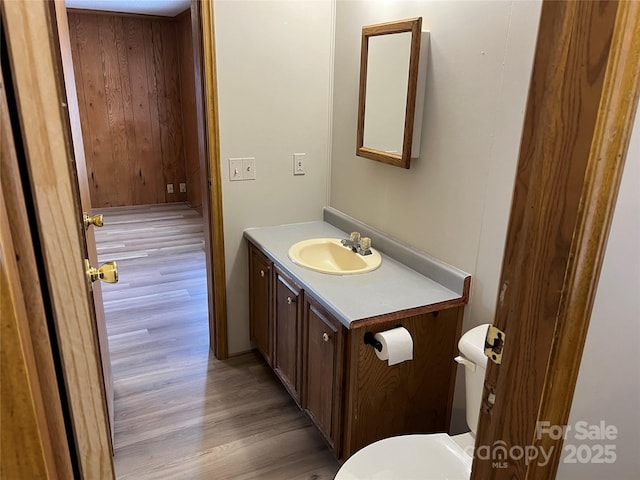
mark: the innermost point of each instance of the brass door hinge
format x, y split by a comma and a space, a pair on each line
494, 343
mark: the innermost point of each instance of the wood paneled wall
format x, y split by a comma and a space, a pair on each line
128, 81
189, 114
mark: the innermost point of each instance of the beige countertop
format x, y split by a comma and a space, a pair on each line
393, 287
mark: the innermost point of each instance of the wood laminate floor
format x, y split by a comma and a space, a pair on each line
179, 412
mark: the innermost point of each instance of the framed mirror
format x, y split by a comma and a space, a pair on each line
389, 78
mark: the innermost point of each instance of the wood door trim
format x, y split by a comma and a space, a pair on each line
26, 441
36, 67
30, 425
579, 116
602, 181
214, 218
21, 233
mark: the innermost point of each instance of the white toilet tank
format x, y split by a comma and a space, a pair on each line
471, 346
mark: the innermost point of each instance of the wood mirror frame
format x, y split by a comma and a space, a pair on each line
414, 26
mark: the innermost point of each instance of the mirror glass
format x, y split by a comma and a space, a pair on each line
389, 64
386, 95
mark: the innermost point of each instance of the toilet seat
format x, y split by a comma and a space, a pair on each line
409, 457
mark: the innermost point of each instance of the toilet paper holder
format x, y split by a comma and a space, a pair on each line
369, 339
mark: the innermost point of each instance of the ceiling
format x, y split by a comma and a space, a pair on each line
165, 8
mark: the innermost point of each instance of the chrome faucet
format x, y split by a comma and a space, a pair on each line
358, 244
365, 246
353, 242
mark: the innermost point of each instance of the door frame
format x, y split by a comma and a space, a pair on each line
203, 46
202, 22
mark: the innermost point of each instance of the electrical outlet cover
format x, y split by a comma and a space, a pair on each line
298, 163
249, 168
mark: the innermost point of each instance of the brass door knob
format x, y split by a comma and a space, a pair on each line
107, 272
96, 220
325, 336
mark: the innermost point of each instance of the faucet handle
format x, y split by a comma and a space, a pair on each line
365, 243
354, 237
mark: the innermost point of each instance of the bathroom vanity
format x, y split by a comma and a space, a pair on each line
310, 327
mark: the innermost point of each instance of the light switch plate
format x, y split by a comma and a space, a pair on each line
235, 169
183, 187
169, 187
249, 168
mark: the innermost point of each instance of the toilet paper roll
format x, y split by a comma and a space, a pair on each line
397, 345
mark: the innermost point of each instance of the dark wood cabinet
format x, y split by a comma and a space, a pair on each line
323, 371
260, 322
416, 396
287, 352
351, 396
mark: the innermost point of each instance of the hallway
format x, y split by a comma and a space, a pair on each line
179, 412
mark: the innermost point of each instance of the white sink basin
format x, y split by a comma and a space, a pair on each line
328, 255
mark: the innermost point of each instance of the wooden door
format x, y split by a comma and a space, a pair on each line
56, 219
85, 200
582, 101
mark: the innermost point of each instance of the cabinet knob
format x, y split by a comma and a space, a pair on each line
289, 300
262, 273
325, 336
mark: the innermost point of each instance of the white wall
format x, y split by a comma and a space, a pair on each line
454, 201
273, 60
608, 387
274, 80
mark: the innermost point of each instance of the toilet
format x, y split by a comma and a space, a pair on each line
429, 456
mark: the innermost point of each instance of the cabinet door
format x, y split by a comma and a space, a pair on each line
260, 325
287, 336
323, 373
